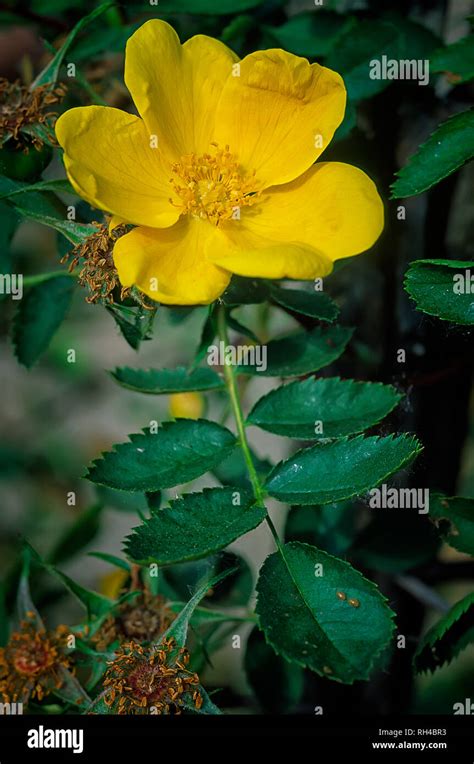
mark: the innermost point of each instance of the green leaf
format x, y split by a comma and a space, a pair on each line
194, 526
163, 381
208, 6
96, 605
50, 73
306, 621
245, 291
313, 34
278, 685
395, 541
339, 470
233, 470
301, 353
236, 326
9, 188
456, 59
313, 304
178, 580
448, 148
77, 536
178, 630
444, 641
75, 232
177, 453
360, 44
330, 527
112, 559
337, 407
38, 317
442, 288
208, 332
135, 323
454, 519
203, 616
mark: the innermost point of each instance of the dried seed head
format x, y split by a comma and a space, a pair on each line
30, 663
21, 107
140, 681
145, 619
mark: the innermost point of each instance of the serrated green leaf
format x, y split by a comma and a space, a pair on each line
301, 353
448, 148
39, 315
314, 304
306, 622
442, 288
177, 453
454, 519
50, 73
338, 407
339, 470
194, 526
447, 638
457, 60
278, 685
163, 381
135, 323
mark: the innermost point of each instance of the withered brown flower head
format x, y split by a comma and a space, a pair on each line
20, 107
140, 681
30, 663
144, 619
98, 272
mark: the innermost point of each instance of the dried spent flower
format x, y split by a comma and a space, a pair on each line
140, 681
145, 619
30, 663
98, 272
21, 107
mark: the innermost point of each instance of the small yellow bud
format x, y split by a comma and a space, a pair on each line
186, 405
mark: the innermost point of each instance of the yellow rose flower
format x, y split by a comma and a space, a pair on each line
217, 173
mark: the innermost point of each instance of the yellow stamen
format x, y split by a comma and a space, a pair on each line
212, 187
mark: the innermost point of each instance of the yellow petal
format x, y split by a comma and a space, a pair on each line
279, 114
176, 87
111, 164
332, 211
170, 265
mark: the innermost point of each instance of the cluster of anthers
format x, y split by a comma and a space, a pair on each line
144, 681
145, 619
21, 107
31, 662
212, 187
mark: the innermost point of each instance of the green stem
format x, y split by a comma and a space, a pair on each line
232, 389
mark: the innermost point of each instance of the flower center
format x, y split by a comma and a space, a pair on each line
212, 187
